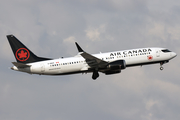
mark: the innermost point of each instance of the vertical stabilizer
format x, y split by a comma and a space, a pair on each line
21, 52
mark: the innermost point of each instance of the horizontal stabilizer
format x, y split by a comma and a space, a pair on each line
20, 65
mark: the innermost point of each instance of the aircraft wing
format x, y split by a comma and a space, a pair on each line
91, 60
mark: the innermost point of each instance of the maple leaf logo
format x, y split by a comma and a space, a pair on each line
22, 54
150, 57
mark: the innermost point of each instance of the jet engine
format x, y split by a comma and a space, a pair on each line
117, 65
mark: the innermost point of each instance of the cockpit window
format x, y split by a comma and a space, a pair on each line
166, 50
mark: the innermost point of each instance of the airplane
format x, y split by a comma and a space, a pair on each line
107, 63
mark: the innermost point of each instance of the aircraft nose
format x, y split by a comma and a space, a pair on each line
174, 54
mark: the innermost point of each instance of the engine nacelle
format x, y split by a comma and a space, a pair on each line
117, 65
112, 72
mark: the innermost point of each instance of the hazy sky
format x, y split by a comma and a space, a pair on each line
50, 28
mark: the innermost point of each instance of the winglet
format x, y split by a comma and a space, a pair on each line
79, 48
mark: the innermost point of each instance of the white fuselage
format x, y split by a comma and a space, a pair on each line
78, 64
